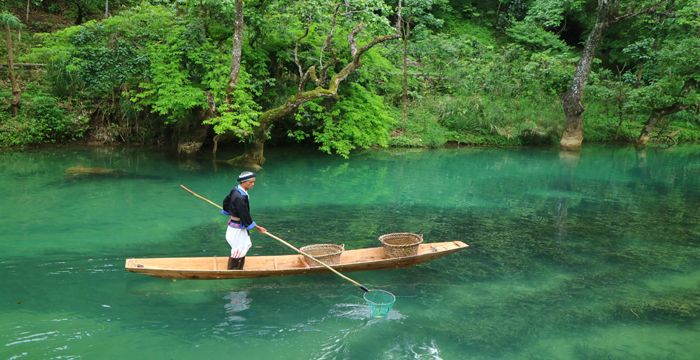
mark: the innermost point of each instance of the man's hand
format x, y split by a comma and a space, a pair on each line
261, 229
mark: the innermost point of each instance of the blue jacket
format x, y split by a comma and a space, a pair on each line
237, 204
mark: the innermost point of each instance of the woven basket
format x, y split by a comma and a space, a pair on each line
328, 253
401, 244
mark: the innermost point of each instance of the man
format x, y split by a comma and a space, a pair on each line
237, 205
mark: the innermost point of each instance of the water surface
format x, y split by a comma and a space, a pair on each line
584, 257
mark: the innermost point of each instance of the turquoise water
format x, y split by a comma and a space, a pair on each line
590, 257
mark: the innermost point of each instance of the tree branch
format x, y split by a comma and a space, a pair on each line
26, 65
328, 45
351, 38
399, 19
302, 76
294, 102
296, 51
649, 10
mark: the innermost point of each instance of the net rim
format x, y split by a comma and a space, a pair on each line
393, 298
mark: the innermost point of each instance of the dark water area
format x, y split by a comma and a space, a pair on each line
572, 257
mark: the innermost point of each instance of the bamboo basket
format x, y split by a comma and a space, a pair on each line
400, 244
328, 253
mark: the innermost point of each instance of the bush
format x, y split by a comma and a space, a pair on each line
41, 119
420, 130
17, 131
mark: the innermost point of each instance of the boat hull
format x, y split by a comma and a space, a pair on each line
260, 266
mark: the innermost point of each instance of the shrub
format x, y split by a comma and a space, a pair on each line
41, 120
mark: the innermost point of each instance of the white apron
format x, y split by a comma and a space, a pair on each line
239, 241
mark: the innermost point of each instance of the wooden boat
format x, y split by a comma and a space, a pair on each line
259, 266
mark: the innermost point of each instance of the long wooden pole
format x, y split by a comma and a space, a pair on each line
319, 261
285, 243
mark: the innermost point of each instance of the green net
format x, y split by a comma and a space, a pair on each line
380, 302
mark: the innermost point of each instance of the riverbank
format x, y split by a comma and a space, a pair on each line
158, 74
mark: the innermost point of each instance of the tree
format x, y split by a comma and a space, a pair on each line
238, 26
416, 13
616, 12
10, 22
325, 83
571, 100
668, 65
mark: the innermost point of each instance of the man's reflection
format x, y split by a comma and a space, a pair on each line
238, 302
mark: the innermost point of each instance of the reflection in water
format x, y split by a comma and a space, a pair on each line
569, 161
238, 302
343, 340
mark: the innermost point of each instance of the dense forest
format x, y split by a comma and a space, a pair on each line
197, 75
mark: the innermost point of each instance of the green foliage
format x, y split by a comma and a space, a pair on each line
478, 94
424, 13
551, 13
480, 72
380, 75
168, 89
671, 67
99, 61
359, 120
421, 129
534, 37
241, 117
41, 119
658, 73
8, 20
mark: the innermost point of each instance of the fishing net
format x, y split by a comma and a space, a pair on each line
380, 302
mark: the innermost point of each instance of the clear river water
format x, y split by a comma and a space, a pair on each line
594, 256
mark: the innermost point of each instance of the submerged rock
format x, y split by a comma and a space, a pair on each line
81, 170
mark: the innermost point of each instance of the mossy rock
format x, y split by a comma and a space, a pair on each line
87, 171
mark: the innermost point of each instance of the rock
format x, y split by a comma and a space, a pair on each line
81, 170
189, 147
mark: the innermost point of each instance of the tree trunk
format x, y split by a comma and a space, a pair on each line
573, 109
27, 18
404, 97
79, 11
254, 152
238, 25
656, 115
16, 94
106, 9
253, 155
645, 135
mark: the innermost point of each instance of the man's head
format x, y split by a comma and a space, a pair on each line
247, 180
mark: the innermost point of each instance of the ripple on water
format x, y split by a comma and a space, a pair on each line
361, 312
32, 337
